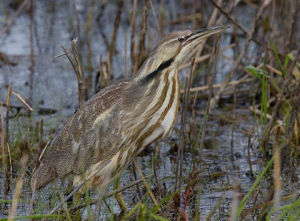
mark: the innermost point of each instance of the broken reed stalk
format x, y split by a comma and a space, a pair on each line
32, 61
142, 37
161, 17
6, 177
89, 37
133, 170
22, 100
75, 62
132, 42
76, 16
146, 184
249, 152
89, 66
194, 13
112, 47
40, 149
10, 164
291, 42
276, 175
215, 86
155, 17
179, 166
236, 181
7, 113
125, 55
14, 17
110, 194
18, 188
4, 152
185, 19
192, 124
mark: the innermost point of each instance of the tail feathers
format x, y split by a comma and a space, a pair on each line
43, 175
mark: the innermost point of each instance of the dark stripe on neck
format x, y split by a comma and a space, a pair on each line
155, 73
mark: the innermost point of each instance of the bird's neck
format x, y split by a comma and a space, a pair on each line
157, 96
153, 67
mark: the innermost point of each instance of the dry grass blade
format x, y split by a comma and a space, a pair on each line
186, 18
132, 42
22, 100
241, 27
276, 176
155, 17
114, 35
125, 56
142, 37
264, 204
268, 116
232, 83
112, 193
146, 184
15, 16
18, 188
40, 149
7, 112
77, 187
3, 143
179, 174
32, 61
57, 56
75, 62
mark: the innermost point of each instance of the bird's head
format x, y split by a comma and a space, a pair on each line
180, 45
174, 49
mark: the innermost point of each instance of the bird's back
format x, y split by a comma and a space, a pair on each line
85, 139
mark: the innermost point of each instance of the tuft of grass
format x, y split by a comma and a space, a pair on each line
36, 216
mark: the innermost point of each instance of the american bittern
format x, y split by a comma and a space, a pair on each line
114, 126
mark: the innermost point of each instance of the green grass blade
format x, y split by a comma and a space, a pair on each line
286, 61
253, 187
277, 56
254, 71
87, 202
36, 216
156, 217
163, 201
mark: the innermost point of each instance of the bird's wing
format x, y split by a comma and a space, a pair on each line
89, 136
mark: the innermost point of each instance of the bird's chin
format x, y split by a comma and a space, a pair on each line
184, 58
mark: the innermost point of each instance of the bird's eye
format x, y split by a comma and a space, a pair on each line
181, 39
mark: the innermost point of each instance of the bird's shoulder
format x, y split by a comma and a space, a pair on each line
96, 106
80, 143
83, 120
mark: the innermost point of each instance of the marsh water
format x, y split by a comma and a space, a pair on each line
224, 156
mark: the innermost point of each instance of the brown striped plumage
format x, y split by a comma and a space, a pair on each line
103, 137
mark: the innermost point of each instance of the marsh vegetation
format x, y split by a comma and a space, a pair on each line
234, 151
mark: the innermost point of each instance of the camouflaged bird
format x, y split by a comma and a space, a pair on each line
104, 136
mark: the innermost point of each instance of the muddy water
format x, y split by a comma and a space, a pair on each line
55, 87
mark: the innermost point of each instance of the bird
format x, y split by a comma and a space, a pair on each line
106, 134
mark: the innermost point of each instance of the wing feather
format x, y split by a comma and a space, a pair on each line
88, 137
